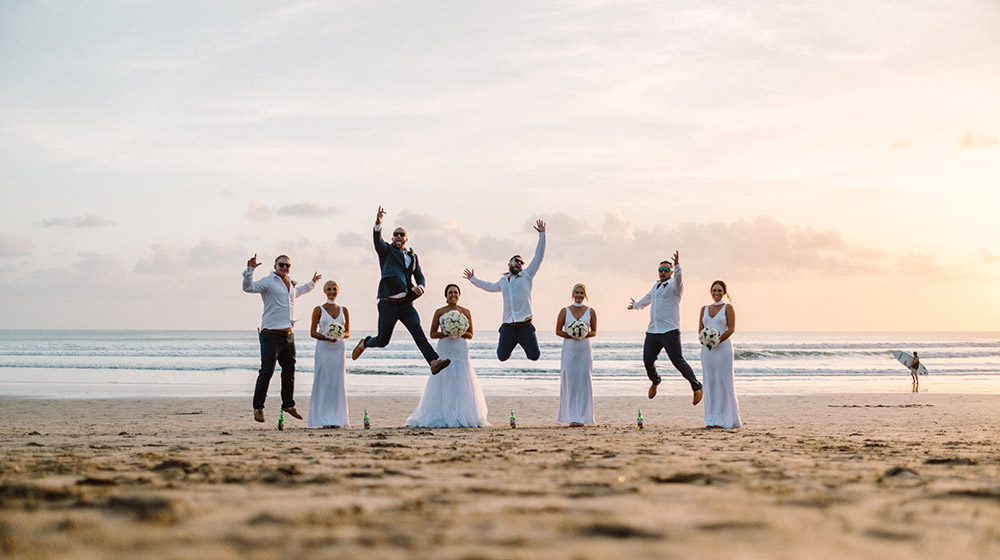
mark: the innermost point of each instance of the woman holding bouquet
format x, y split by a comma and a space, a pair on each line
722, 410
331, 324
452, 398
576, 325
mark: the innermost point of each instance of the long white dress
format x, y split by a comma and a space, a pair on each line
576, 393
721, 406
328, 402
452, 398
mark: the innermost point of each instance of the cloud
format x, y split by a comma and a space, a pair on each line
973, 140
306, 210
900, 144
258, 212
14, 246
204, 255
88, 221
97, 263
989, 257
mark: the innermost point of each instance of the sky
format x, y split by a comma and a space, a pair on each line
836, 163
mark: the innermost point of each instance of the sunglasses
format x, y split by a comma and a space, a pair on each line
517, 261
398, 234
284, 265
664, 269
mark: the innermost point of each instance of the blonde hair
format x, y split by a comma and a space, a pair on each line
330, 283
584, 286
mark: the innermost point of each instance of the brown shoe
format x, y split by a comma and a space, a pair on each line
438, 365
292, 412
258, 414
358, 349
652, 390
697, 397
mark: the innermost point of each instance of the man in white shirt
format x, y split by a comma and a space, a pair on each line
277, 344
515, 285
664, 332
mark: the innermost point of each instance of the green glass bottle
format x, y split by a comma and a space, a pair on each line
513, 421
638, 421
281, 420
368, 423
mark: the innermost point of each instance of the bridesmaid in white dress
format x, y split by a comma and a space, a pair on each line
453, 397
722, 409
328, 402
576, 393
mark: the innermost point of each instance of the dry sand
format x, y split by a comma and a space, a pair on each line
819, 476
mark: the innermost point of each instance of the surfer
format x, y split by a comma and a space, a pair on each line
914, 367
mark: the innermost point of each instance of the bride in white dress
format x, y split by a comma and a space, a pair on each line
576, 393
328, 402
722, 409
452, 398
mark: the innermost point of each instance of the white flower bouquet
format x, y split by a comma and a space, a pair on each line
709, 337
454, 324
335, 331
577, 329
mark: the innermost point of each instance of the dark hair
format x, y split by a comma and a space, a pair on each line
725, 290
671, 263
452, 285
282, 257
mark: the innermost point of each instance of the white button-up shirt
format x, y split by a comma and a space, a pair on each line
664, 302
516, 290
279, 300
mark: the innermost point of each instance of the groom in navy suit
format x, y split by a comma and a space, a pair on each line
396, 292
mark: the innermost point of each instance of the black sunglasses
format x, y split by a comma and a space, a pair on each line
285, 265
398, 234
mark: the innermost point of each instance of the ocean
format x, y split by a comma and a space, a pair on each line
121, 364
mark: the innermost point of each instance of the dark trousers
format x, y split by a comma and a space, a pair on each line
403, 311
511, 336
671, 341
280, 348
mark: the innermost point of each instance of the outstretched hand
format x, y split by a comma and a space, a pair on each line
378, 217
316, 277
631, 304
677, 258
468, 274
540, 226
252, 263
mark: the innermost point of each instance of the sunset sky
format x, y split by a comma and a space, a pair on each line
836, 163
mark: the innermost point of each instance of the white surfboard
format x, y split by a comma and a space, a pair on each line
906, 359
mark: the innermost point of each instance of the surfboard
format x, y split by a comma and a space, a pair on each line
906, 359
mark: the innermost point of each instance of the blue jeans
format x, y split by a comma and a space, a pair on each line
403, 311
280, 348
671, 341
511, 336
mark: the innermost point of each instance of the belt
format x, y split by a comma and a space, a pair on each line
396, 300
523, 323
278, 331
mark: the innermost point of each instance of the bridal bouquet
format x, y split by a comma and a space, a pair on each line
454, 324
335, 331
578, 329
709, 337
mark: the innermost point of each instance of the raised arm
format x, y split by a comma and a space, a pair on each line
678, 277
536, 261
249, 286
470, 275
642, 302
380, 245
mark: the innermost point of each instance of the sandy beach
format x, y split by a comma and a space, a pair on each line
816, 476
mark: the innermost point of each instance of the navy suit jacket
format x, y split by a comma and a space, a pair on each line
396, 276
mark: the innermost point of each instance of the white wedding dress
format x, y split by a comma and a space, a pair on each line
452, 398
576, 393
721, 407
328, 402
